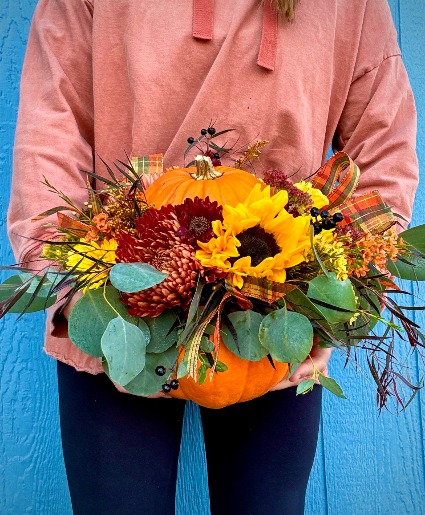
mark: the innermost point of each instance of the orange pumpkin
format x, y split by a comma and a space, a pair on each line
222, 184
244, 380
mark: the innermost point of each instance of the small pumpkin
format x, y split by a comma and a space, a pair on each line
244, 380
222, 184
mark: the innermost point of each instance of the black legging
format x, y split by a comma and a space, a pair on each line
121, 451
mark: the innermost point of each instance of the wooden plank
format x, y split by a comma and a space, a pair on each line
33, 476
412, 41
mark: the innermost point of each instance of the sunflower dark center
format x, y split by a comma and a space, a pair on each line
199, 225
258, 244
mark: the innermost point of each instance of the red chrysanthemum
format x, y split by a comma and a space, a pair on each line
157, 244
195, 218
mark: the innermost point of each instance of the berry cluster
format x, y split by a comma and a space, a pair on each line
211, 131
215, 156
168, 386
327, 221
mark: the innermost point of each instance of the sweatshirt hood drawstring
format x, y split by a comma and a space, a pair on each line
203, 28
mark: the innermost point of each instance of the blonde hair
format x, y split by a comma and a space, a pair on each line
286, 8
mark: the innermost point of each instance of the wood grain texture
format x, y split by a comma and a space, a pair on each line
365, 464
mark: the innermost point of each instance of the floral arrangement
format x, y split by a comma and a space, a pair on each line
211, 284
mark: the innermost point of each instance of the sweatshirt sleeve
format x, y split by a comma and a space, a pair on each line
377, 127
54, 133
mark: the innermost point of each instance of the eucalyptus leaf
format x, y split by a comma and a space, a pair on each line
414, 270
302, 304
247, 325
206, 344
163, 335
124, 347
287, 335
133, 277
42, 300
182, 369
338, 296
148, 382
331, 385
415, 237
91, 315
305, 386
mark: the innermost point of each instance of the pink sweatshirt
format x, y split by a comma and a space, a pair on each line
141, 77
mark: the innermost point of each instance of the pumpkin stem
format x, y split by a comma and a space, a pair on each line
205, 169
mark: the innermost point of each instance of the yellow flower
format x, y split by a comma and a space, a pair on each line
95, 257
331, 252
319, 199
257, 238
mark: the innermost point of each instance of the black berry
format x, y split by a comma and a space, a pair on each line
190, 140
160, 370
174, 384
328, 224
203, 132
317, 227
314, 211
216, 155
338, 217
325, 214
211, 131
166, 388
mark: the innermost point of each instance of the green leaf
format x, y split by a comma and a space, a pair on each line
302, 304
414, 270
202, 371
415, 237
206, 344
182, 370
162, 337
246, 324
91, 315
221, 367
287, 335
204, 360
133, 277
305, 386
338, 295
331, 385
42, 300
124, 347
148, 382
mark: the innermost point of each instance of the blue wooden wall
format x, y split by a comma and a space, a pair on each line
365, 465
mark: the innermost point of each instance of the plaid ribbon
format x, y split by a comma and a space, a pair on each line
263, 289
368, 213
148, 165
327, 179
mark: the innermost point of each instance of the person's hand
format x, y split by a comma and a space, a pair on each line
318, 359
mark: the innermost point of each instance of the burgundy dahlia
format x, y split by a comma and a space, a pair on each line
195, 218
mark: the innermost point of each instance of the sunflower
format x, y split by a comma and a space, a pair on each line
257, 238
96, 258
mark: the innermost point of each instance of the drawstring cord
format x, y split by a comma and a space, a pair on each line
203, 27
